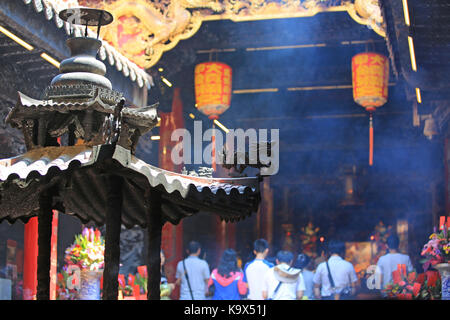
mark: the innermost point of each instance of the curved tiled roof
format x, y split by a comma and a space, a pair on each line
38, 162
83, 193
33, 106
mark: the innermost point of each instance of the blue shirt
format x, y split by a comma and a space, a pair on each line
198, 273
389, 262
309, 284
228, 288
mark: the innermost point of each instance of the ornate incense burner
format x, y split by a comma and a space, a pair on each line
80, 106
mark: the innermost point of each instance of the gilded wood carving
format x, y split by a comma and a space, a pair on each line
143, 30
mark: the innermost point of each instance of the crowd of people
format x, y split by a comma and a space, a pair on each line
288, 278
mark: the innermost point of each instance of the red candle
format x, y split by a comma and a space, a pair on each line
441, 222
142, 270
404, 269
136, 291
396, 276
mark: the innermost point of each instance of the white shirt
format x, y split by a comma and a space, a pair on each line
389, 262
286, 291
254, 272
342, 272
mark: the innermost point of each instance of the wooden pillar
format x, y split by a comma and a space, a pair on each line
266, 212
45, 218
154, 229
112, 238
172, 235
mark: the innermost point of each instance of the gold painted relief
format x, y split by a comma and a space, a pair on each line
143, 30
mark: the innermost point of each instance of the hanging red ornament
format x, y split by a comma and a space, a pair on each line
370, 76
212, 93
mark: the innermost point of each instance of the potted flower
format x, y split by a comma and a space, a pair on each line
430, 285
87, 254
125, 289
65, 291
437, 255
408, 286
403, 285
141, 283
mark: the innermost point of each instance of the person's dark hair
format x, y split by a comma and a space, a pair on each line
335, 246
193, 247
260, 245
302, 261
271, 260
285, 256
228, 263
393, 241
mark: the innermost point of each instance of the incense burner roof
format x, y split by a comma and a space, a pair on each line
78, 173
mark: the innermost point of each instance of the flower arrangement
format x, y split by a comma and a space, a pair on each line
124, 287
408, 286
437, 249
431, 285
142, 279
135, 285
62, 290
87, 251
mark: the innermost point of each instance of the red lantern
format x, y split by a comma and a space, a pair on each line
212, 88
212, 92
370, 76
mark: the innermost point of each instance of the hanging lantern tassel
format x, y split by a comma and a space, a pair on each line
213, 148
370, 79
370, 139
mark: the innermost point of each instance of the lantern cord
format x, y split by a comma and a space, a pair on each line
370, 139
213, 148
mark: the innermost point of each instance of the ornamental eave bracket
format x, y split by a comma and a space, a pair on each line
143, 30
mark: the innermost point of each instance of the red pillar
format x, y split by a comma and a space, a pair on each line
172, 236
30, 259
54, 256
